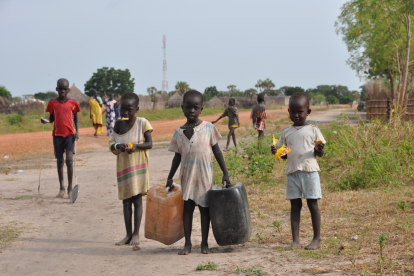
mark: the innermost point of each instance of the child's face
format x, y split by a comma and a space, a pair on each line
231, 102
298, 111
192, 108
63, 90
128, 109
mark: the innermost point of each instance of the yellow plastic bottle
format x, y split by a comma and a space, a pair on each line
164, 214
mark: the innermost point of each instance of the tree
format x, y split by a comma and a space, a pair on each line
267, 85
319, 97
346, 100
232, 90
45, 96
110, 81
210, 92
5, 93
332, 99
259, 85
151, 90
250, 93
182, 87
290, 90
378, 36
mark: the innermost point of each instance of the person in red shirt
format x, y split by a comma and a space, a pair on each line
63, 112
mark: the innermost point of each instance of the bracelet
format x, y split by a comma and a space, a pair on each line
115, 145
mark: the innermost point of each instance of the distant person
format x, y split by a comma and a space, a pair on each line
233, 113
118, 112
302, 178
131, 163
259, 115
111, 106
63, 113
95, 104
193, 144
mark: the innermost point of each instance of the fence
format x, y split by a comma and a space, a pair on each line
379, 109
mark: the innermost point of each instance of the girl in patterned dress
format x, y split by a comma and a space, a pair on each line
131, 163
259, 115
193, 144
110, 114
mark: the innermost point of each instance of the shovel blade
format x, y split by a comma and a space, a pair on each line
74, 194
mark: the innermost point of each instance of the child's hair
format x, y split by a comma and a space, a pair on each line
130, 96
193, 93
260, 98
62, 80
297, 96
232, 100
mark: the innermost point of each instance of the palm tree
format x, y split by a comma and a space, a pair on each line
151, 90
259, 85
267, 84
182, 87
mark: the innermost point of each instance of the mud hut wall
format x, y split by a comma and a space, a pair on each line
159, 102
145, 103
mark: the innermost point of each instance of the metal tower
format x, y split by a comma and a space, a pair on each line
164, 66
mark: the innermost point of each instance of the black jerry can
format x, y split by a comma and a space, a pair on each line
230, 215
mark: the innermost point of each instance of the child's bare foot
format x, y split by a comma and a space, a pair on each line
295, 245
124, 241
186, 250
315, 244
134, 240
205, 249
61, 194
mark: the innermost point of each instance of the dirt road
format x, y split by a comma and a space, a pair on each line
29, 144
59, 238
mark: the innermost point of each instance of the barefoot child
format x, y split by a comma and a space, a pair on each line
233, 113
306, 142
259, 115
193, 144
131, 163
63, 112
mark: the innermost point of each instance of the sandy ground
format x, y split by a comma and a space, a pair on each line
78, 239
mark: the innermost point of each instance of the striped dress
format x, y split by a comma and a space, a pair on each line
132, 169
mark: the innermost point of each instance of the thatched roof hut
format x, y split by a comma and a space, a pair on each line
77, 95
175, 101
214, 102
145, 102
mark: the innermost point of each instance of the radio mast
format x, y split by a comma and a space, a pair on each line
164, 66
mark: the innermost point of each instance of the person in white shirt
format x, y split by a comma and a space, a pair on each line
306, 142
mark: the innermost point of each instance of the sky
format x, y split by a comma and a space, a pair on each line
209, 43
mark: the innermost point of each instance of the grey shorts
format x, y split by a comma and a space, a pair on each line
303, 184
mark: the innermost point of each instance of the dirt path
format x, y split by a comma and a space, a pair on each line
63, 239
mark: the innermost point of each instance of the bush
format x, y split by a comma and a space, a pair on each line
15, 119
368, 155
332, 99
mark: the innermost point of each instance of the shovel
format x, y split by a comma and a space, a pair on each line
75, 191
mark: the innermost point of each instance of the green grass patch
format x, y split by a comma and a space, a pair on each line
249, 271
207, 266
8, 233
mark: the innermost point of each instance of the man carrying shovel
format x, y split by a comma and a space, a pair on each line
63, 112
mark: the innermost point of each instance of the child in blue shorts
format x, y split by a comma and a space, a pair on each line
306, 142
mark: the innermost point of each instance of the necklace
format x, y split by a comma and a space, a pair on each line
193, 125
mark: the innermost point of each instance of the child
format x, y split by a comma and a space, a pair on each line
131, 163
193, 144
233, 113
306, 142
95, 113
258, 116
63, 112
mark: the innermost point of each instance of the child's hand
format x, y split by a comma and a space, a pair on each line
319, 147
121, 147
274, 149
226, 179
213, 122
170, 185
130, 148
76, 136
